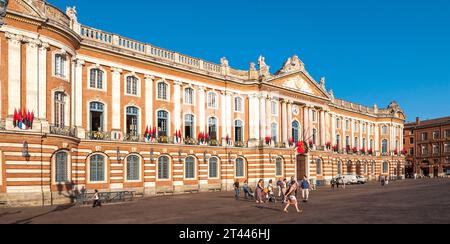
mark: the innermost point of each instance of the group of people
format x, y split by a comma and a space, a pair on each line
287, 191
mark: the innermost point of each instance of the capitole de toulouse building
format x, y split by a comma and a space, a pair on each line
84, 108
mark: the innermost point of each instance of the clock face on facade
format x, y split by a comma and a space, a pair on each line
295, 110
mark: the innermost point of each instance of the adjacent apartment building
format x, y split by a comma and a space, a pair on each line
85, 108
428, 147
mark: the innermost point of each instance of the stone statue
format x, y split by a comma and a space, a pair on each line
224, 62
322, 82
264, 69
252, 67
72, 13
331, 94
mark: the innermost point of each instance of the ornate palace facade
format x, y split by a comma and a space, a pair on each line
84, 108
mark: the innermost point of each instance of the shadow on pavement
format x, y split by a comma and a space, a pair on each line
57, 209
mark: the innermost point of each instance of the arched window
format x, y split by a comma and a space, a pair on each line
162, 91
314, 136
61, 167
238, 104
356, 142
163, 121
212, 128
96, 78
238, 130
97, 168
189, 170
132, 85
279, 167
385, 167
371, 144
132, 120
133, 167
189, 124
213, 167
339, 168
384, 146
319, 166
364, 143
274, 130
295, 131
240, 167
60, 108
189, 95
163, 168
212, 100
358, 168
60, 65
96, 116
349, 167
347, 141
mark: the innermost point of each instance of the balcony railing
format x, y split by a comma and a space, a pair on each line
98, 135
63, 131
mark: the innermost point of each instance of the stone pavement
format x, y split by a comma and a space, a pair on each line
409, 201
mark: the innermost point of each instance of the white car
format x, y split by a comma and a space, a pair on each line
361, 179
347, 179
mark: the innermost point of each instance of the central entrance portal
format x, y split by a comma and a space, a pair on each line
301, 166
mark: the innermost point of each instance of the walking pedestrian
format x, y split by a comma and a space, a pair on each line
382, 180
247, 190
260, 191
387, 180
236, 189
290, 197
96, 197
280, 187
305, 189
332, 182
270, 192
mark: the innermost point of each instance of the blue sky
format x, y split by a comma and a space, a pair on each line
370, 51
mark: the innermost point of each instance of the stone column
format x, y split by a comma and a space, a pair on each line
149, 101
310, 121
305, 128
78, 99
352, 133
322, 128
262, 116
42, 108
377, 139
116, 94
32, 75
401, 139
289, 119
368, 136
333, 130
229, 114
361, 136
284, 123
344, 134
201, 108
268, 116
253, 112
224, 117
177, 106
14, 72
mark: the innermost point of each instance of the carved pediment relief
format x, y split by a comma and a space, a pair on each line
298, 83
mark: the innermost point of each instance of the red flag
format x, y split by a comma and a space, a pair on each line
206, 136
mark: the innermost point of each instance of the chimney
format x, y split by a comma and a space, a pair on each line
417, 120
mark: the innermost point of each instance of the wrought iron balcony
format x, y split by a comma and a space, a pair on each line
63, 131
133, 138
98, 135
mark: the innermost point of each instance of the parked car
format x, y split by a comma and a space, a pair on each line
361, 179
347, 179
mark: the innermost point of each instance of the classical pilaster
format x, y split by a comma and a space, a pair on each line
42, 80
149, 100
14, 72
361, 136
262, 116
78, 99
377, 138
368, 136
177, 105
352, 133
284, 123
116, 94
344, 133
322, 128
401, 138
201, 108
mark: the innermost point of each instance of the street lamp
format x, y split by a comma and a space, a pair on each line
3, 6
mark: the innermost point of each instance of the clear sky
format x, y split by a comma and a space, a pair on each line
371, 51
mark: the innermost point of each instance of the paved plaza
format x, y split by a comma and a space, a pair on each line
409, 201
